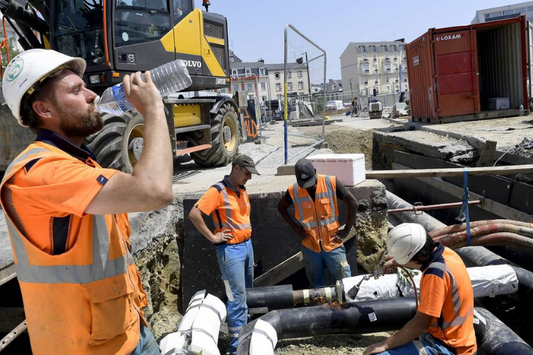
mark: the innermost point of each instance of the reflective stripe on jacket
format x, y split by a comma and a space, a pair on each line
319, 218
87, 300
233, 213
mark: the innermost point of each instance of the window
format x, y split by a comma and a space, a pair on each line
236, 87
248, 71
242, 86
262, 71
300, 85
362, 49
384, 47
264, 98
289, 74
376, 80
393, 47
300, 74
290, 87
387, 79
388, 88
277, 75
508, 12
249, 87
372, 48
233, 71
263, 86
520, 10
487, 16
278, 87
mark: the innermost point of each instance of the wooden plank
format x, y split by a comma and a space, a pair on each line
496, 208
281, 271
286, 268
496, 188
412, 173
10, 317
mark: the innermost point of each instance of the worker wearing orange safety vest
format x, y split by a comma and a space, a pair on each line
228, 204
444, 320
317, 221
66, 216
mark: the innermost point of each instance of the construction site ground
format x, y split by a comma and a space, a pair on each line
345, 135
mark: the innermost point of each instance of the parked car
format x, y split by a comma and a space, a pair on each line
401, 109
334, 105
273, 110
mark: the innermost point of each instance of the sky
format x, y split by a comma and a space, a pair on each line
256, 28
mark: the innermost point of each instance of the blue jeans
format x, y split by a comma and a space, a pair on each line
427, 342
236, 263
147, 344
335, 261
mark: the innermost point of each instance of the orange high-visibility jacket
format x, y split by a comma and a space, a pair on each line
228, 210
319, 218
87, 300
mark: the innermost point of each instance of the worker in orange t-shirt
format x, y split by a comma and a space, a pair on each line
444, 320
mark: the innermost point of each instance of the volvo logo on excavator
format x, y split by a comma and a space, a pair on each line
193, 63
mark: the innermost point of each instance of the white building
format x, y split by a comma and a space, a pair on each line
504, 12
368, 67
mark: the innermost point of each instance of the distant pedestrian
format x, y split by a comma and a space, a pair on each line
354, 106
317, 221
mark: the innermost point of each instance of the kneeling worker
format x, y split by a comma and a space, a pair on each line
227, 201
445, 316
317, 221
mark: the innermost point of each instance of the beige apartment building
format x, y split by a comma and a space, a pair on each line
368, 67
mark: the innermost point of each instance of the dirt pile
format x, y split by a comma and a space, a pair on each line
343, 140
337, 344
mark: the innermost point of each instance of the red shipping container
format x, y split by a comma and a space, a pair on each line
456, 72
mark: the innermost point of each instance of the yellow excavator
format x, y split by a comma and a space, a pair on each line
118, 37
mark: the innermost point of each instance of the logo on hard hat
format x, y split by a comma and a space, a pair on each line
14, 69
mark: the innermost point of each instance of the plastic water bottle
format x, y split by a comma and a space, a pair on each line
168, 78
521, 110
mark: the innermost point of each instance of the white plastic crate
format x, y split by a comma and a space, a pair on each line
498, 103
348, 168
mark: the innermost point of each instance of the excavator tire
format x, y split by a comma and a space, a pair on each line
119, 144
225, 139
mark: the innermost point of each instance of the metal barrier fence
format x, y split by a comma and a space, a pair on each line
304, 94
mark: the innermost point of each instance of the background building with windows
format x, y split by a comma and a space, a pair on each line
368, 67
504, 12
265, 81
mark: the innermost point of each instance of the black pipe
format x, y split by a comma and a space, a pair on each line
18, 13
480, 256
43, 8
495, 338
283, 296
350, 318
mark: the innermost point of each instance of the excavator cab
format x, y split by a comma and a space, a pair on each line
118, 37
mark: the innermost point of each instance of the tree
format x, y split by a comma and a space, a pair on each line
13, 51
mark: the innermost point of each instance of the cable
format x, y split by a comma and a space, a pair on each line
412, 283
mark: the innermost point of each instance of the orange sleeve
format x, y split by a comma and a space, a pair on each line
209, 201
61, 186
432, 295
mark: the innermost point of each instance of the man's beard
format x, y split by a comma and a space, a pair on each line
76, 123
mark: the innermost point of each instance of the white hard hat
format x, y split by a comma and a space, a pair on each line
405, 240
30, 67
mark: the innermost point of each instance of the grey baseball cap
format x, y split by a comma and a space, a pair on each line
305, 173
246, 162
